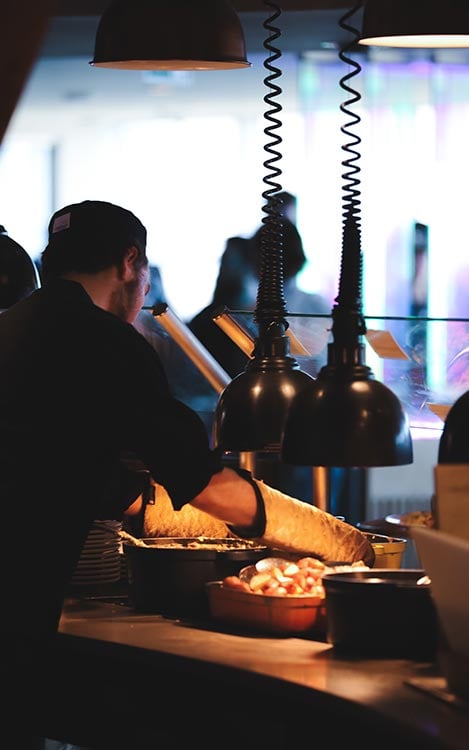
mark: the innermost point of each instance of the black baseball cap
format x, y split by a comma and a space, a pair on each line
90, 236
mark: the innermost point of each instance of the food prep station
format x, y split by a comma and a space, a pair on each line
208, 673
147, 679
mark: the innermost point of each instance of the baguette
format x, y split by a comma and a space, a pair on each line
299, 527
161, 520
291, 525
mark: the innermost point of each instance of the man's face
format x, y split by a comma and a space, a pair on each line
134, 292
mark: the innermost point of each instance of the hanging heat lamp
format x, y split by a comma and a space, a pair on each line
429, 24
348, 419
415, 23
170, 35
251, 411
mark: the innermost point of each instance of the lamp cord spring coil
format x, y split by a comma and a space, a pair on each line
270, 305
351, 199
349, 298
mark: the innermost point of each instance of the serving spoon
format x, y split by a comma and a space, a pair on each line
261, 566
132, 539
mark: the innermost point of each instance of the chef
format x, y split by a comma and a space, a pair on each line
83, 400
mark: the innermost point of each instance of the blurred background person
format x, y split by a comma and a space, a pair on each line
236, 289
288, 205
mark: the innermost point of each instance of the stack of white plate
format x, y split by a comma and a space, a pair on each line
100, 560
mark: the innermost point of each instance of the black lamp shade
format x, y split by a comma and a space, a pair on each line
170, 35
18, 274
415, 23
454, 441
251, 412
350, 420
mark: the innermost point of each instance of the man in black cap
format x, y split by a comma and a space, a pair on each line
84, 402
72, 365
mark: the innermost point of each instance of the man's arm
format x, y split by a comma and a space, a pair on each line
230, 498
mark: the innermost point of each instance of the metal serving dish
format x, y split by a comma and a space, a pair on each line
168, 575
381, 613
389, 550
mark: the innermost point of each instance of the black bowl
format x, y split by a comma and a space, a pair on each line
381, 613
168, 576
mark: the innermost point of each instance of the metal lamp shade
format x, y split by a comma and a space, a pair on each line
18, 274
454, 440
170, 35
415, 23
251, 412
351, 420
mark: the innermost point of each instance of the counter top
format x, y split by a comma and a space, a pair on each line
177, 677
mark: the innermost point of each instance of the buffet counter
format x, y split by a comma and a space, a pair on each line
124, 680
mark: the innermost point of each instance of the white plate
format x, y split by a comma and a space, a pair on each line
88, 569
110, 549
86, 581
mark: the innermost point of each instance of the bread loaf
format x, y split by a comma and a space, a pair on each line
291, 525
162, 520
300, 527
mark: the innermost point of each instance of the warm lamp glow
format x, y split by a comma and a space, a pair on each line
418, 41
415, 23
171, 64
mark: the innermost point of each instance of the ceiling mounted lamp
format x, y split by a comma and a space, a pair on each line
170, 35
348, 419
251, 412
454, 443
415, 23
428, 24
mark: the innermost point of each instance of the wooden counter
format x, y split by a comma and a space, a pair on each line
123, 680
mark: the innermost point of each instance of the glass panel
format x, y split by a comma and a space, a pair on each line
429, 375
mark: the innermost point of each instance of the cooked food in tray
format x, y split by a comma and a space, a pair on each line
412, 518
279, 577
275, 595
202, 542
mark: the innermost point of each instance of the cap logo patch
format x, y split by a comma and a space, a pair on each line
61, 222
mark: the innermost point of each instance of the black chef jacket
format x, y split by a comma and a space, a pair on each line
78, 389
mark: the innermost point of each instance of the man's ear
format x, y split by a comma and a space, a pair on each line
127, 267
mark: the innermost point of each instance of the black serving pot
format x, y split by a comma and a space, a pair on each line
168, 575
381, 613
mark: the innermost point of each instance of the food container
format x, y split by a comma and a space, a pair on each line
278, 615
381, 613
168, 575
287, 615
389, 550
